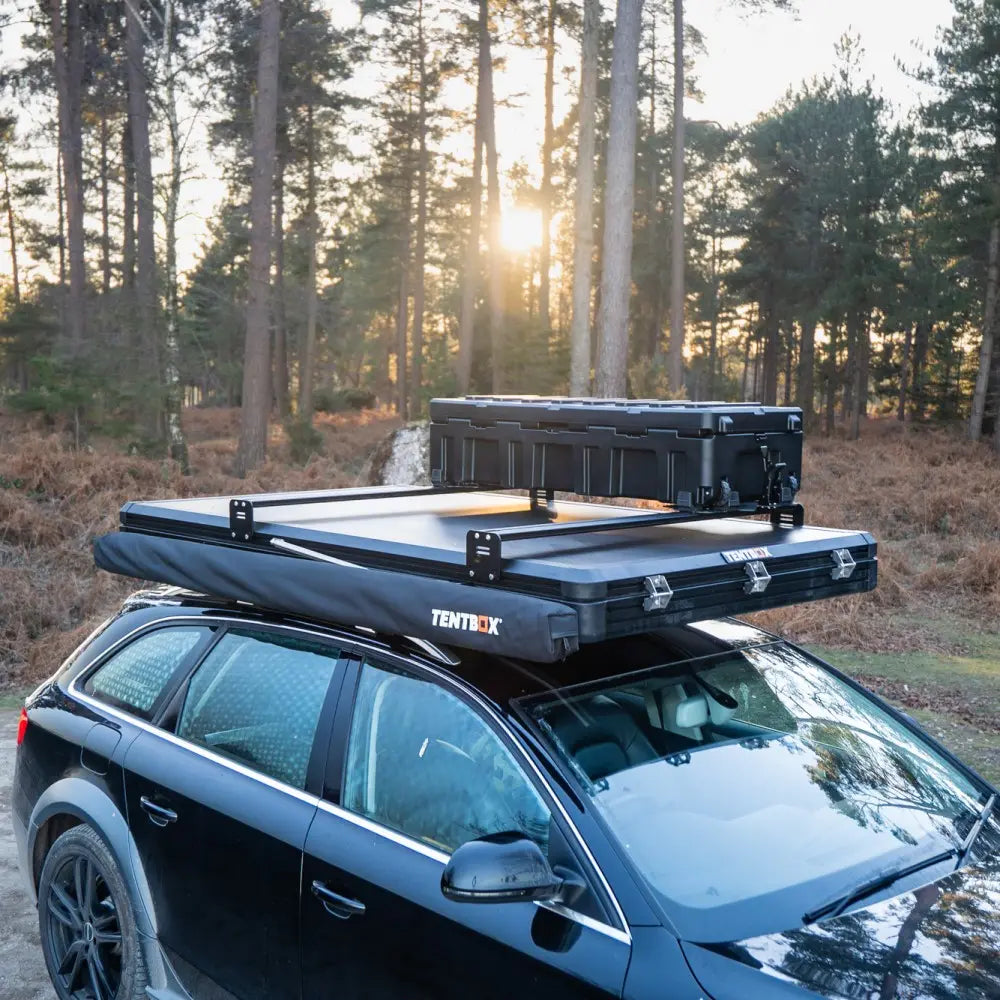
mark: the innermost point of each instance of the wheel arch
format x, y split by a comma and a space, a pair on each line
71, 802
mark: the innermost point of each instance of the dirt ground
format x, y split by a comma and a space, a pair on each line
22, 969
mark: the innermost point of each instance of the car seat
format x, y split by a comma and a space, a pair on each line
601, 736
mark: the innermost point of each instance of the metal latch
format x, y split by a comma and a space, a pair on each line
758, 578
843, 564
659, 593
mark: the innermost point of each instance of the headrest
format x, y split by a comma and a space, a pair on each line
692, 712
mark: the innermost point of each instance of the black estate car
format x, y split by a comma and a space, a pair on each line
447, 743
211, 801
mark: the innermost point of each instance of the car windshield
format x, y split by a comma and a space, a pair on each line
748, 786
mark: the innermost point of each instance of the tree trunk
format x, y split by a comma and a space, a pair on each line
172, 353
862, 360
403, 299
746, 363
307, 357
652, 347
713, 342
989, 326
921, 342
280, 333
128, 208
619, 199
470, 276
676, 349
420, 250
758, 357
789, 364
105, 206
151, 407
924, 900
583, 235
61, 224
994, 383
67, 43
807, 368
770, 359
850, 372
904, 373
548, 143
12, 235
256, 356
497, 331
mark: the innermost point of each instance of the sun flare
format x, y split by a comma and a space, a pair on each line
522, 230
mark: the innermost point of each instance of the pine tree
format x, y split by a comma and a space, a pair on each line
257, 356
583, 233
67, 49
963, 125
616, 256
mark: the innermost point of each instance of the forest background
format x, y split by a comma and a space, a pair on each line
242, 239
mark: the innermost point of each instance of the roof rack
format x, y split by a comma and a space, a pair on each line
484, 558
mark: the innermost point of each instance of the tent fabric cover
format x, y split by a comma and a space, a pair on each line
441, 611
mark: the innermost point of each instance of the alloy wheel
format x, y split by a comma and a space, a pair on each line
84, 930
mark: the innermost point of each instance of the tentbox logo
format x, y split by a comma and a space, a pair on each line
466, 622
746, 555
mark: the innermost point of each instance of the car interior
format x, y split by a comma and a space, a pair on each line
655, 718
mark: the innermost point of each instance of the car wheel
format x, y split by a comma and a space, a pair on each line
88, 931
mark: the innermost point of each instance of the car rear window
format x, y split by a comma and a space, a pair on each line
136, 677
257, 698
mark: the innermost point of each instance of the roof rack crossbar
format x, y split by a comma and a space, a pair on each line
484, 549
241, 509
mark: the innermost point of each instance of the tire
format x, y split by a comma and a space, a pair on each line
86, 922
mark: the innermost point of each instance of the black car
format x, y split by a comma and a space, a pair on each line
214, 801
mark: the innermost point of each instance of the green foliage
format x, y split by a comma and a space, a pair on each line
304, 441
648, 378
59, 388
342, 400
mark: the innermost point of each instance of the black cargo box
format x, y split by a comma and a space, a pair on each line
694, 455
397, 559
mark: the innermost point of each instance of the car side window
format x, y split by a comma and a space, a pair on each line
257, 698
136, 677
421, 762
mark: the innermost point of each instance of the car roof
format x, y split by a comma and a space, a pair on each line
499, 678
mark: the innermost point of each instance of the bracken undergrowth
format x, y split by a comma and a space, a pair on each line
931, 499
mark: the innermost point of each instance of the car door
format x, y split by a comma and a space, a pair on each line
219, 809
422, 770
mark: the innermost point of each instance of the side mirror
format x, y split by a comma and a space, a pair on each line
500, 868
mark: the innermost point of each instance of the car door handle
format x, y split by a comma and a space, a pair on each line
160, 815
336, 905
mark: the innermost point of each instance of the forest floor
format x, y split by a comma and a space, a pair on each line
928, 638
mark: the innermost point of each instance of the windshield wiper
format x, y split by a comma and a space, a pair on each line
837, 906
966, 848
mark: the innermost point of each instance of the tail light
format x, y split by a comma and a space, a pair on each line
22, 726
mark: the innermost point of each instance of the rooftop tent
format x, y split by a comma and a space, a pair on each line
514, 574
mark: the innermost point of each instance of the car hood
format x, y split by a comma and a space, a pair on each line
937, 942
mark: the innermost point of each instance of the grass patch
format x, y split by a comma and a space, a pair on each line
13, 699
954, 695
